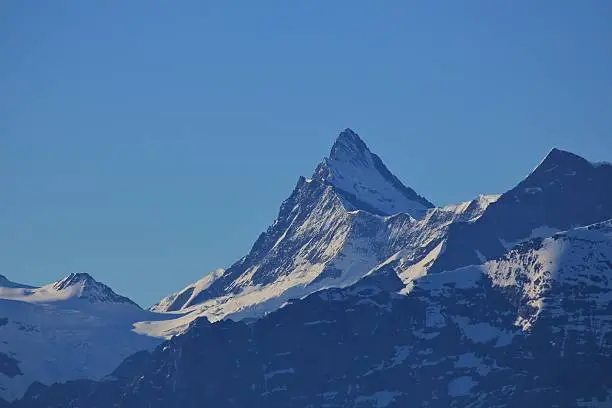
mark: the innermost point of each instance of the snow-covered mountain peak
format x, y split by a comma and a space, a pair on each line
76, 286
487, 199
349, 147
80, 278
70, 329
332, 229
364, 182
84, 286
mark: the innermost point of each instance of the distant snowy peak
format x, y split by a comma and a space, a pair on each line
70, 329
74, 279
188, 296
84, 286
74, 286
364, 182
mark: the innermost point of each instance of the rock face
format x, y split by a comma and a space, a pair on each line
331, 231
562, 192
512, 332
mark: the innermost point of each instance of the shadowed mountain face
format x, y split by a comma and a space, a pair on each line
86, 287
564, 191
510, 333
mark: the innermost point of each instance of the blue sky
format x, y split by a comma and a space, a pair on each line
148, 142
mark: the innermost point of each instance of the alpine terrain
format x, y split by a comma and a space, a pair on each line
74, 328
361, 293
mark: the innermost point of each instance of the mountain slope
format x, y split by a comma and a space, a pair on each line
73, 328
187, 296
74, 286
458, 339
325, 236
330, 232
364, 182
562, 192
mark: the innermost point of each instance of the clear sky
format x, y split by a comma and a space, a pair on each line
148, 142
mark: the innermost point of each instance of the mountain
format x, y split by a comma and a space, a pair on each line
363, 182
512, 332
562, 192
74, 286
5, 283
361, 293
339, 225
76, 327
186, 296
331, 231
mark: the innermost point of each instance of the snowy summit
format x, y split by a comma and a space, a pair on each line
363, 181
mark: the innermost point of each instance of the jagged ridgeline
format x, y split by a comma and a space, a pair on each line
361, 293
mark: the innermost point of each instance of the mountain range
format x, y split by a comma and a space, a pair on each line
361, 293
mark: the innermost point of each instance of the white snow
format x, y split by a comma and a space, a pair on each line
470, 211
184, 297
560, 259
339, 248
44, 294
67, 330
338, 244
419, 269
353, 170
